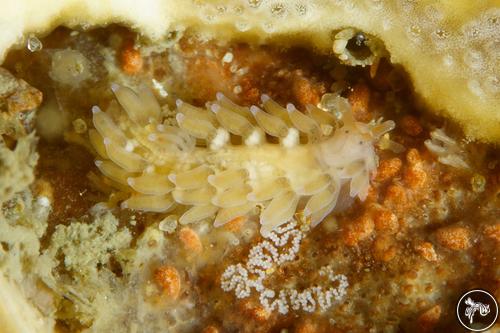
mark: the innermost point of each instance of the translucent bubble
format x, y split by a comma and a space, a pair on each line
329, 102
34, 44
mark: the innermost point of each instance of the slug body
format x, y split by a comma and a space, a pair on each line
227, 160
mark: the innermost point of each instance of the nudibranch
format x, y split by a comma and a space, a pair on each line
226, 160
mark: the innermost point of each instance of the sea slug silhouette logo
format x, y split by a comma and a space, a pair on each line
473, 307
477, 310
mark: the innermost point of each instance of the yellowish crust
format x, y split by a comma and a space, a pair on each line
447, 47
17, 314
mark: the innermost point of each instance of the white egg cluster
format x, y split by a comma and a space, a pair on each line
279, 247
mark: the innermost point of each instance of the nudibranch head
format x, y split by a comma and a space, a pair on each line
349, 154
226, 160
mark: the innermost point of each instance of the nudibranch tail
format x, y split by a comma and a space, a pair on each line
223, 161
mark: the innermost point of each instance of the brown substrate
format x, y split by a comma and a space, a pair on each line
421, 238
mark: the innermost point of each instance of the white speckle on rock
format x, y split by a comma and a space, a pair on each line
43, 201
228, 57
237, 89
159, 87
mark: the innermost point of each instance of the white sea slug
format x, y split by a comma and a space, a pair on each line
226, 160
